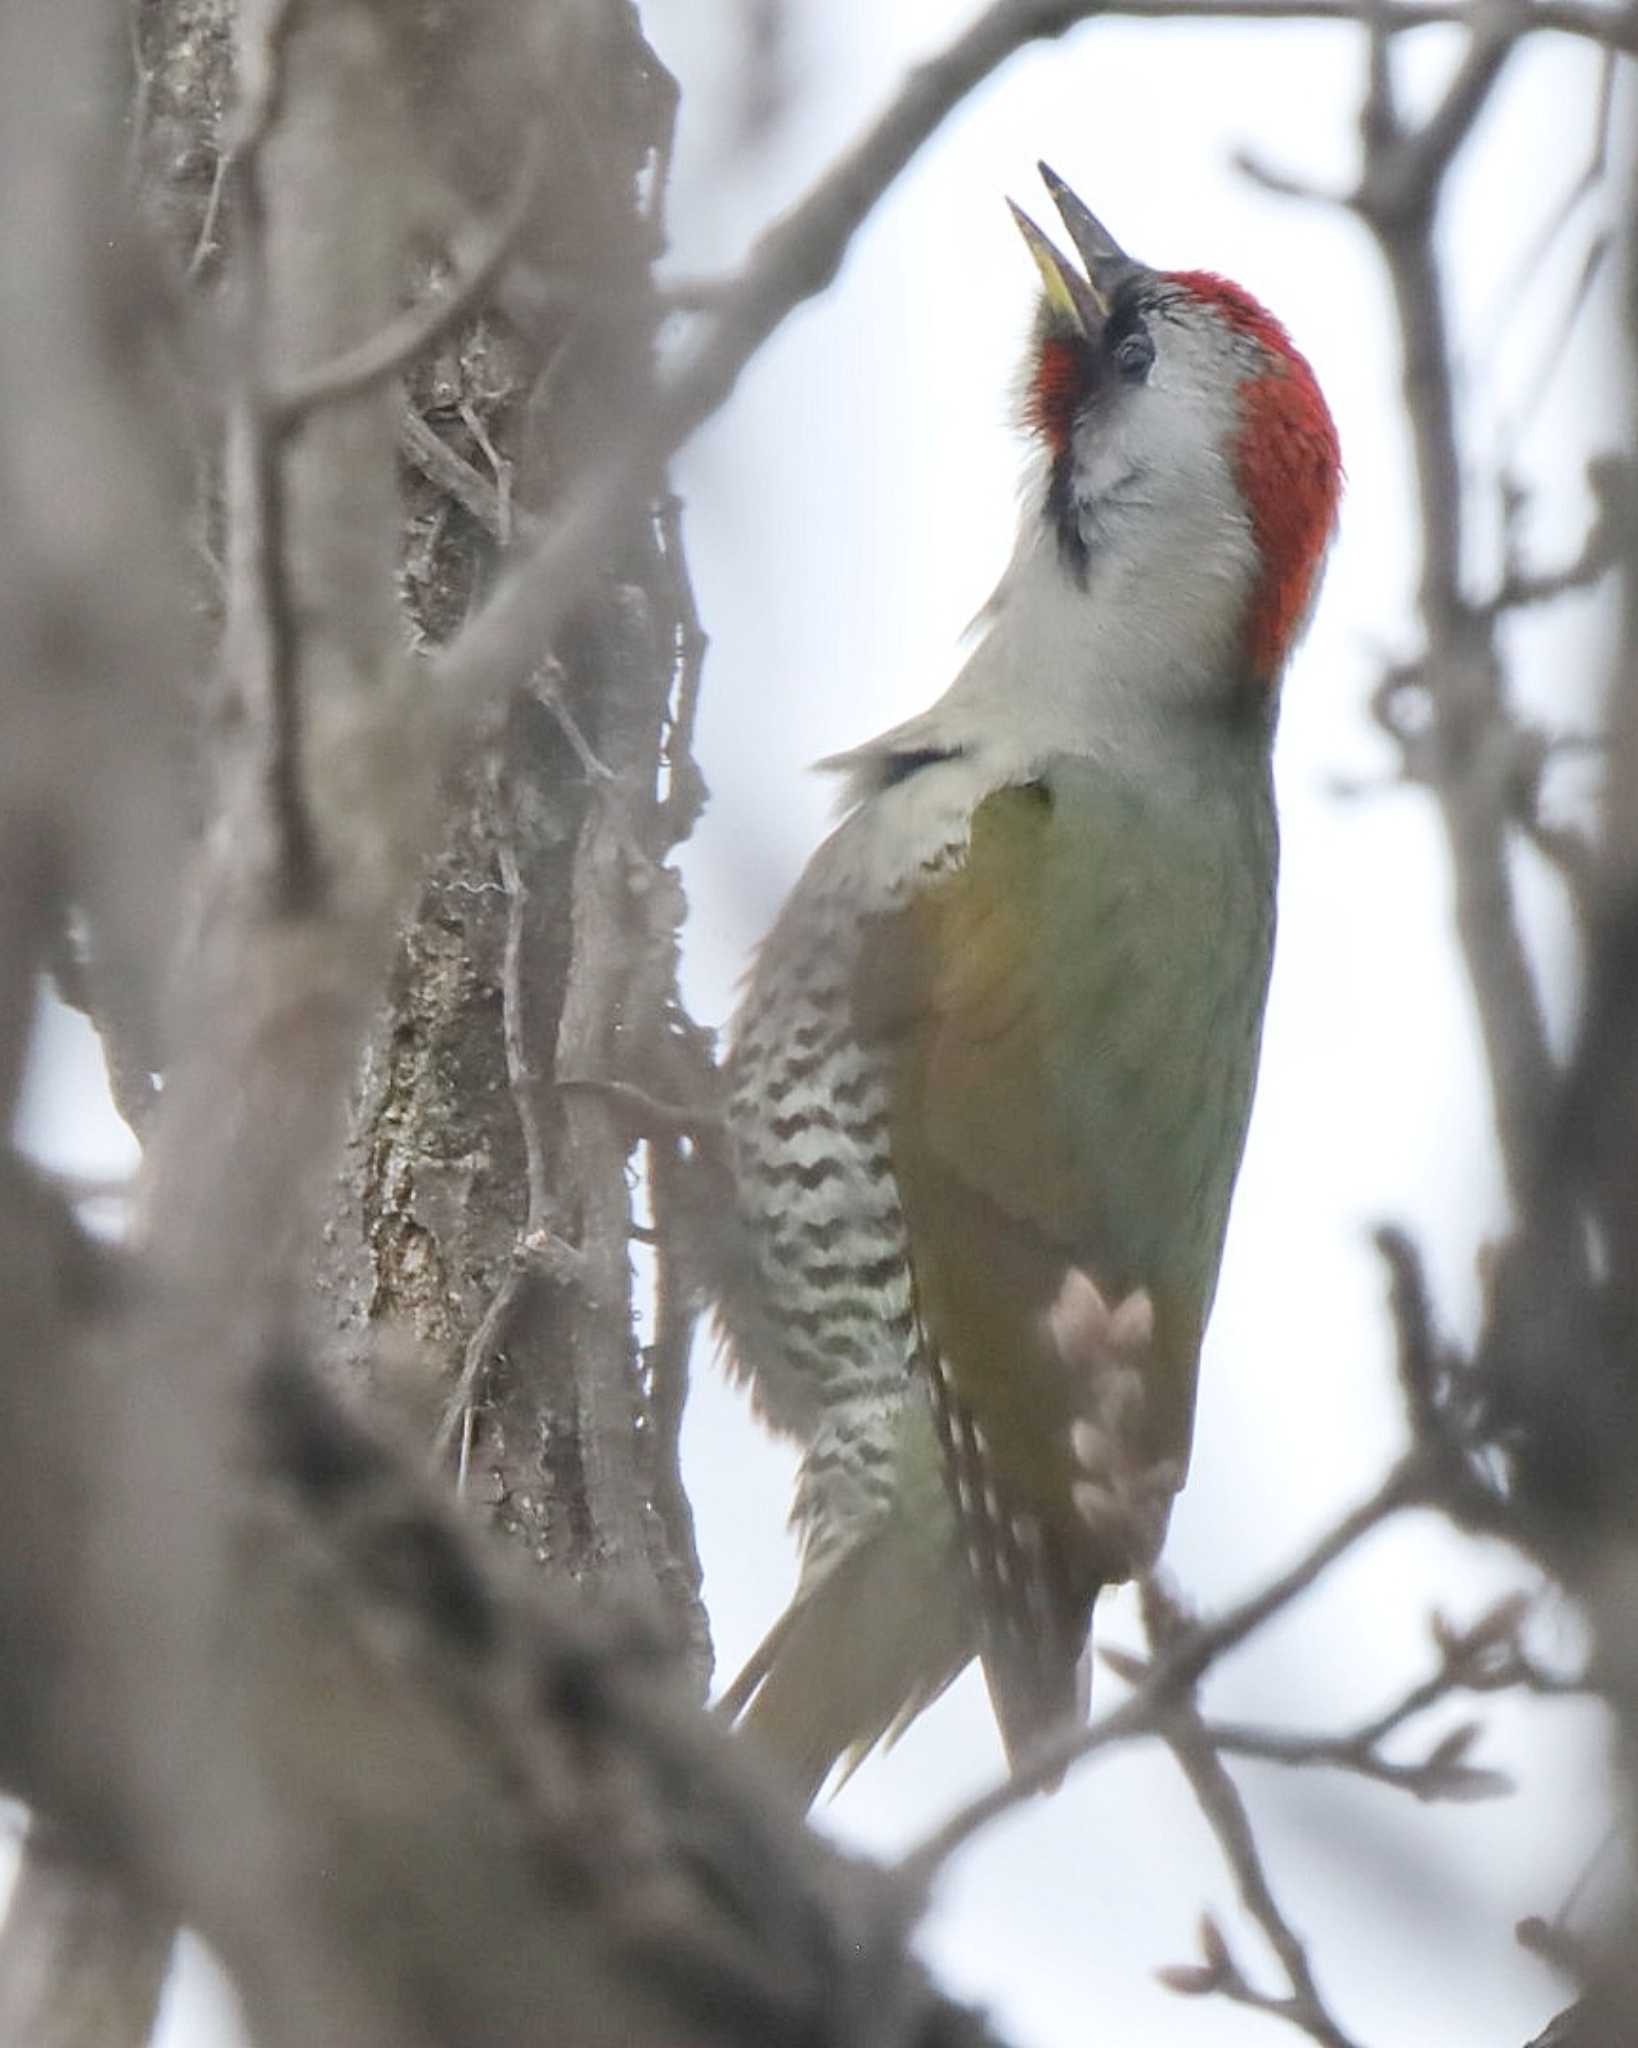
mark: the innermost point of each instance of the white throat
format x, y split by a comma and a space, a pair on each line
1100, 668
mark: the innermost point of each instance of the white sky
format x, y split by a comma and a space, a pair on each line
846, 517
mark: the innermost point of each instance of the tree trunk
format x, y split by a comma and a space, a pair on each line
266, 1682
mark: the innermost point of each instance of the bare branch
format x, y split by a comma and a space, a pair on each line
1442, 1776
667, 1360
1397, 198
1225, 1812
415, 331
1219, 1799
1426, 154
1424, 1365
794, 260
1447, 1399
545, 1256
1487, 1657
557, 703
454, 475
800, 254
261, 602
646, 1116
1484, 772
1613, 28
1599, 552
685, 787
1515, 292
603, 1357
521, 1073
1171, 1678
539, 1253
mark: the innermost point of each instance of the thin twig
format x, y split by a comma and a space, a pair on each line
499, 468
1554, 348
539, 1252
1515, 289
676, 1317
205, 244
521, 1075
546, 1257
1520, 588
798, 257
1441, 1400
455, 476
1426, 153
1440, 1777
596, 989
262, 549
1219, 1800
261, 597
1397, 198
1487, 1657
685, 786
645, 1113
554, 696
482, 1347
1170, 1678
1611, 28
1422, 1364
416, 330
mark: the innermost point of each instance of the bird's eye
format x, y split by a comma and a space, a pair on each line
1134, 353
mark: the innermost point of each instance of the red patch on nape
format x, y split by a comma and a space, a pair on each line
1055, 390
1290, 471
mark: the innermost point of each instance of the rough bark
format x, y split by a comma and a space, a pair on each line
482, 1217
269, 1685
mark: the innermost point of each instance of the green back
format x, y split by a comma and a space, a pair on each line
1075, 1013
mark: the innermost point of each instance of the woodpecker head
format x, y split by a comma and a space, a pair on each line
1188, 456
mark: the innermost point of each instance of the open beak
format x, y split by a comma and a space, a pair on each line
1084, 299
1068, 293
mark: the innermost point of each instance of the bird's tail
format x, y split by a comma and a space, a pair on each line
859, 1653
1039, 1670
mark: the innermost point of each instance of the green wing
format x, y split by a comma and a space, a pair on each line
1064, 1101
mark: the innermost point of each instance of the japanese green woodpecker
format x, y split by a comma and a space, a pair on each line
990, 1079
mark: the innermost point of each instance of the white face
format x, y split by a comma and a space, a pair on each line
1150, 461
1127, 597
1143, 530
